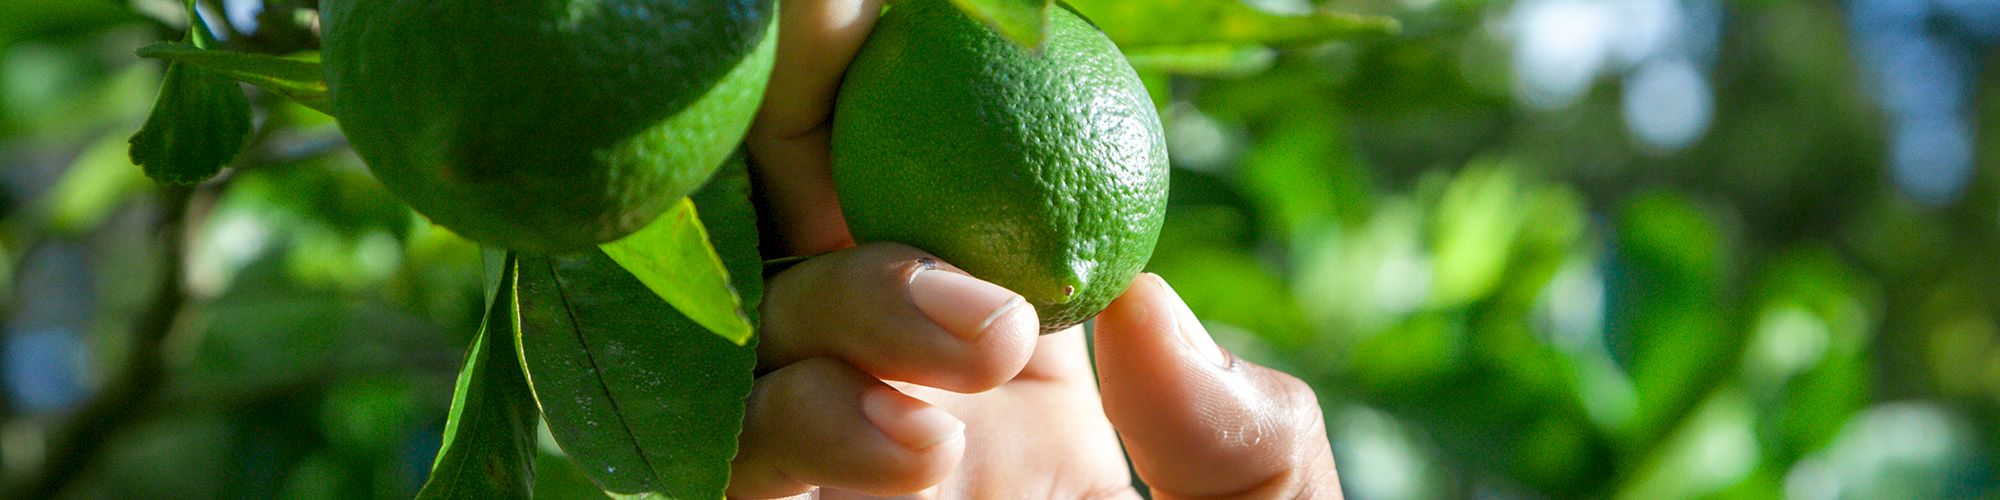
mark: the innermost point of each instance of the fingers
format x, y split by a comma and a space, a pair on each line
788, 142
898, 314
823, 423
816, 40
1196, 421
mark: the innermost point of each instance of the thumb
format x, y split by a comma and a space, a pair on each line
1198, 422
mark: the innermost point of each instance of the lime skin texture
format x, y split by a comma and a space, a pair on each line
1043, 170
545, 125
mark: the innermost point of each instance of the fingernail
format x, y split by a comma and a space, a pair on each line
906, 420
962, 304
1192, 332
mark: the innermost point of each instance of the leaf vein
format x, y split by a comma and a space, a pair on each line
562, 292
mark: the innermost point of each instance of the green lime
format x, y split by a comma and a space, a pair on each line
546, 125
1042, 170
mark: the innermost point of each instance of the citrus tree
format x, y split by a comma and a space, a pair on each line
593, 152
1535, 248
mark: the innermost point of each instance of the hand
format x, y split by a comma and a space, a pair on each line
885, 371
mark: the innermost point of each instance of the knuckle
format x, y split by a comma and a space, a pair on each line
817, 373
1297, 406
1289, 392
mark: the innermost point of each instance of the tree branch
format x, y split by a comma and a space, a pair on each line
76, 446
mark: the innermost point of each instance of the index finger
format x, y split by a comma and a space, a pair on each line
789, 141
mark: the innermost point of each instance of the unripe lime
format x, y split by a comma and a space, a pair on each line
545, 125
1042, 170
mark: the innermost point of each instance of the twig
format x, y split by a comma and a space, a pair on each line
75, 447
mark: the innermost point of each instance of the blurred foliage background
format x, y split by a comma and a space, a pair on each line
1529, 248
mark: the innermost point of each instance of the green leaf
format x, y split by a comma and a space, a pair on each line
297, 78
1025, 22
1476, 223
198, 124
494, 264
1211, 60
100, 181
1670, 324
489, 440
673, 257
1715, 447
732, 224
1197, 22
642, 397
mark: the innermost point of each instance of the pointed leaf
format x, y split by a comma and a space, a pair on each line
732, 223
1025, 22
199, 123
489, 440
647, 401
1195, 22
494, 264
673, 257
299, 79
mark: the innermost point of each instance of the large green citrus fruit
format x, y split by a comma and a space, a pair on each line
545, 125
1042, 170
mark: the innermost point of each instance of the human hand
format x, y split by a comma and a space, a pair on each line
885, 371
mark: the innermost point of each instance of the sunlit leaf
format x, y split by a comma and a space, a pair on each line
1477, 220
199, 123
673, 257
1557, 222
1715, 447
1303, 176
1420, 354
1210, 60
1025, 22
100, 180
1195, 22
489, 439
643, 398
297, 78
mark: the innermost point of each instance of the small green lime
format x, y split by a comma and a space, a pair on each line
1042, 170
546, 125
